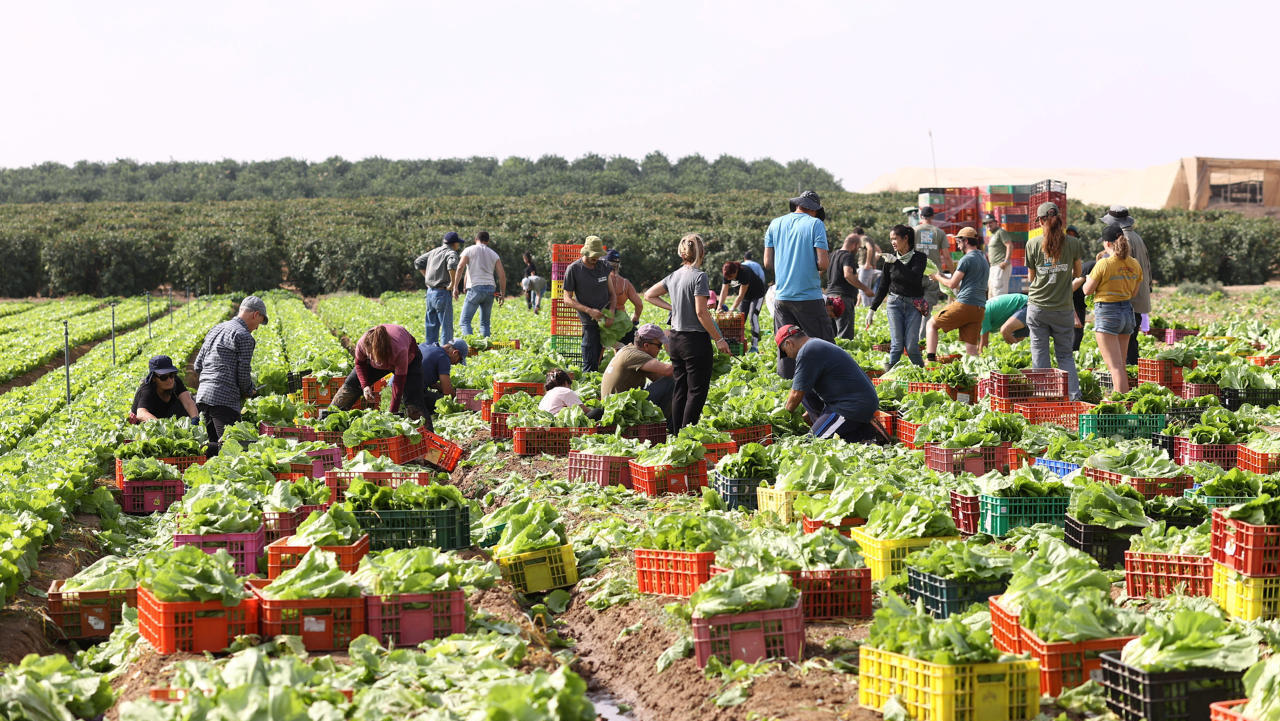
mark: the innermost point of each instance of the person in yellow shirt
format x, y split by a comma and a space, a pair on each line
1113, 283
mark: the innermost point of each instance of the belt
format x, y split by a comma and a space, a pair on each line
440, 287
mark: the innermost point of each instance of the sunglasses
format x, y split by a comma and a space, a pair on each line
166, 376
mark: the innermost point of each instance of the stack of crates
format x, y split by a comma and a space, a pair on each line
1008, 203
566, 328
1246, 567
954, 208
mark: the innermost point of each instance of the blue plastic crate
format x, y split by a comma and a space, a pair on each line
1018, 271
1018, 284
1058, 468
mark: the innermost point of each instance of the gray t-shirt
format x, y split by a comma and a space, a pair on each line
481, 260
973, 286
683, 287
437, 263
1138, 249
589, 285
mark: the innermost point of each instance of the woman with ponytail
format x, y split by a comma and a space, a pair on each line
1053, 264
1113, 282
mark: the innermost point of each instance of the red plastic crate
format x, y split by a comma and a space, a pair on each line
1173, 335
906, 432
339, 481
318, 394
498, 429
1067, 664
1044, 384
410, 619
324, 624
503, 388
194, 627
1222, 455
1014, 458
752, 434
654, 481
966, 511
1257, 461
468, 397
565, 253
150, 496
398, 448
888, 421
243, 547
302, 433
1161, 372
750, 637
829, 594
1006, 632
182, 463
559, 269
716, 451
598, 469
1263, 360
552, 441
283, 555
322, 460
564, 319
1061, 413
88, 614
1195, 390
1228, 710
1164, 574
810, 525
653, 432
962, 395
978, 460
1245, 548
672, 573
1148, 487
486, 410
441, 452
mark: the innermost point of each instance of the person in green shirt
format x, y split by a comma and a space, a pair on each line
1007, 315
997, 257
1053, 262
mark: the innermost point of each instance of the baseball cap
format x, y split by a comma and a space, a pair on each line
1043, 210
451, 237
254, 303
786, 332
613, 256
1111, 233
926, 211
651, 332
460, 345
989, 218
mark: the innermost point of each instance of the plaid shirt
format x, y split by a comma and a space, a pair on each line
223, 365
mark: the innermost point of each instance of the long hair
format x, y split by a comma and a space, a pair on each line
557, 377
377, 344
692, 249
1054, 235
1120, 247
903, 231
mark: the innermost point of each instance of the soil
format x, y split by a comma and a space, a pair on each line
30, 377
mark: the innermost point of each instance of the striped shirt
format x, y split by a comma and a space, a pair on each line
223, 365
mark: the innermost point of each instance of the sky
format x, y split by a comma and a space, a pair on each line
855, 87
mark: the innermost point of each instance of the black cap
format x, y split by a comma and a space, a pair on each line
926, 211
1111, 232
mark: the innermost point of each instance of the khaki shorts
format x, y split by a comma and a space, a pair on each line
962, 317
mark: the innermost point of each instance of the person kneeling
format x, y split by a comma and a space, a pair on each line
838, 396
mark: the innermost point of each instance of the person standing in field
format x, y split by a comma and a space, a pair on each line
439, 266
932, 241
589, 290
966, 311
795, 249
1119, 215
842, 281
530, 270
1053, 263
486, 281
534, 286
903, 285
997, 257
225, 367
1114, 281
624, 292
1077, 297
869, 266
750, 295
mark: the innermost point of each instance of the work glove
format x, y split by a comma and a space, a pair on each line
1146, 323
194, 421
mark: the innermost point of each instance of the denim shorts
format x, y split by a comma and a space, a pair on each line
1114, 318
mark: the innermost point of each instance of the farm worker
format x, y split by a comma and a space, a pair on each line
869, 265
1114, 280
383, 349
965, 312
795, 249
637, 363
842, 281
163, 394
932, 241
483, 269
224, 366
437, 365
750, 295
1053, 262
560, 395
624, 292
1006, 314
1077, 296
589, 290
903, 285
748, 260
997, 257
693, 332
534, 286
1119, 215
846, 400
530, 270
439, 266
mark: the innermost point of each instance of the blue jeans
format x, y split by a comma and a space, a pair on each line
479, 297
904, 330
439, 315
1058, 326
591, 346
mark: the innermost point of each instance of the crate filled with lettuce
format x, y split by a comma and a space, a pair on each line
604, 460
148, 485
676, 467
502, 409
534, 553
288, 503
384, 434
812, 472
894, 531
632, 415
170, 441
335, 530
1249, 385
1166, 368
942, 669
277, 416
410, 515
1144, 469
1218, 488
211, 518
192, 602
378, 470
413, 595
535, 432
1246, 537
1214, 439
316, 600
1025, 497
717, 444
737, 475
675, 554
747, 615
825, 567
1102, 518
846, 507
949, 577
1164, 560
90, 603
1259, 453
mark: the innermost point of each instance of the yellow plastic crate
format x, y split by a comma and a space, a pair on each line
934, 692
1245, 597
542, 570
557, 288
782, 502
884, 557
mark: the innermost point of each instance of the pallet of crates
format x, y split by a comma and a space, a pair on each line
1133, 694
999, 690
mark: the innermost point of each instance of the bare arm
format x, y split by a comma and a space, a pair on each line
1090, 285
502, 280
637, 303
704, 317
145, 415
823, 259
572, 301
446, 385
188, 405
851, 277
768, 258
793, 400
654, 295
458, 275
656, 369
953, 282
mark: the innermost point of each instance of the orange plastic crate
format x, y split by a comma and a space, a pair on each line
1162, 574
283, 555
654, 481
672, 573
498, 429
1263, 360
321, 394
503, 388
565, 252
88, 614
441, 452
1061, 413
906, 432
398, 448
751, 434
1066, 664
888, 421
1161, 372
1250, 460
324, 624
1228, 710
810, 525
1006, 632
339, 481
193, 627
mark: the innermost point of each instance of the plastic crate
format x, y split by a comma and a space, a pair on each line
182, 463
283, 555
502, 388
999, 691
1067, 664
278, 524
716, 451
906, 432
1166, 443
1247, 598
1228, 710
654, 481
1244, 547
398, 448
565, 253
750, 637
960, 395
811, 525
1215, 501
468, 397
752, 434
966, 512
977, 460
885, 557
339, 481
1106, 545
559, 269
1104, 381
411, 618
1189, 415
781, 503
549, 440
245, 548
486, 410
324, 624
732, 325
737, 492
672, 573
1137, 695
1148, 487
1222, 455
888, 421
1257, 461
88, 614
195, 626
542, 570
1163, 574
441, 452
1060, 469
1059, 413
498, 429
1196, 390
301, 433
1006, 633
1173, 335
316, 393
944, 596
1126, 425
653, 432
1263, 360
1161, 372
1045, 384
1233, 398
1001, 515
833, 593
150, 496
444, 528
600, 470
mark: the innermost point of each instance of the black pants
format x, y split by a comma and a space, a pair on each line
691, 359
216, 419
412, 395
1131, 358
591, 347
846, 323
811, 316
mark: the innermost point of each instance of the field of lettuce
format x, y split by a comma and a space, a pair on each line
1012, 554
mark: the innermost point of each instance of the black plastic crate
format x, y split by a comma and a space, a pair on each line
1189, 415
736, 491
1233, 398
944, 596
444, 528
1167, 442
1104, 381
1106, 545
1136, 695
293, 380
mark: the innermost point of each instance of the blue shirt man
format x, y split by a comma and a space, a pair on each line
796, 247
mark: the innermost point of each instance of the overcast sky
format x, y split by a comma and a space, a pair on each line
854, 87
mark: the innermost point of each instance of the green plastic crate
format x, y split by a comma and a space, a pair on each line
444, 528
1215, 501
1127, 426
1001, 515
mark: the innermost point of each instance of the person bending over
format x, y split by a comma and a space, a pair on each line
848, 399
162, 394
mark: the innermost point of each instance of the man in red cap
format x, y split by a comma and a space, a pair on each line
838, 396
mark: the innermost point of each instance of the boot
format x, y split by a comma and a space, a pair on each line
345, 398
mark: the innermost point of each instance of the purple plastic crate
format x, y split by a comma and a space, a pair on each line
245, 548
